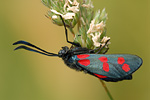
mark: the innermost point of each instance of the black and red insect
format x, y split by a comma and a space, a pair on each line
108, 67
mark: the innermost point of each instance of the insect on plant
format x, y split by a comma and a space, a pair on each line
107, 67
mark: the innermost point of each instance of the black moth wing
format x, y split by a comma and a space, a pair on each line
110, 66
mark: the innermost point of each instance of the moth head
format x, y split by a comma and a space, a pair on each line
63, 51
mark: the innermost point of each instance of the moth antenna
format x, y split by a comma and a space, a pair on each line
31, 45
29, 49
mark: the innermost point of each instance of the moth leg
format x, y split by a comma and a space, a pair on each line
73, 43
100, 48
106, 50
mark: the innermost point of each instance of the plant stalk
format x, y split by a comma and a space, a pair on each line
106, 89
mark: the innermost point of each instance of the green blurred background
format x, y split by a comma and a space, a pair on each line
30, 76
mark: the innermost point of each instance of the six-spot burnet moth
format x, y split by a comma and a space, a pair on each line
108, 67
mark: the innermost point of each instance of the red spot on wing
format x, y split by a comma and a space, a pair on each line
126, 67
106, 67
120, 60
103, 59
100, 76
83, 56
105, 64
84, 62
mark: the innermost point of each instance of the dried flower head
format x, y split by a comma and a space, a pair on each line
68, 9
96, 27
91, 25
66, 16
95, 39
